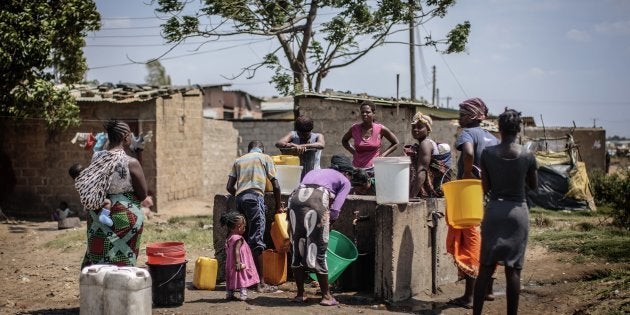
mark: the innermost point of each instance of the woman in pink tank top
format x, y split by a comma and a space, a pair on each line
366, 138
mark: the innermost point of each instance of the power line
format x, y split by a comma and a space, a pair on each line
130, 18
448, 67
205, 41
587, 102
163, 44
178, 56
128, 28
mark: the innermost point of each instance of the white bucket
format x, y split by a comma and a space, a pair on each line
392, 179
289, 177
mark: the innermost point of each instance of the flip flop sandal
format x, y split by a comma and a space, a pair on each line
332, 302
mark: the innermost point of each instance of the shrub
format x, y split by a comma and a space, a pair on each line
613, 190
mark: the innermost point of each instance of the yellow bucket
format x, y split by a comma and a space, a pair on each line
464, 202
286, 159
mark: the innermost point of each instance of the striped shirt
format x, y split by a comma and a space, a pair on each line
252, 171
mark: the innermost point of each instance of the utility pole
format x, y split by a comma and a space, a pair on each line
448, 101
412, 53
397, 87
434, 87
437, 97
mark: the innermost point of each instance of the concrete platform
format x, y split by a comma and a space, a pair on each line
401, 255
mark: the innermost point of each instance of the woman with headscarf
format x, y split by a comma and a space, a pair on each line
429, 161
120, 243
313, 206
505, 225
464, 244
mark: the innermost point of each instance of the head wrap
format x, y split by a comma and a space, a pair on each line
475, 108
341, 163
422, 118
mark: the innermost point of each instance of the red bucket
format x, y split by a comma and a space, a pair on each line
166, 253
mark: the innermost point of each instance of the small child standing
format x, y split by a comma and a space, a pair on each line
240, 270
103, 217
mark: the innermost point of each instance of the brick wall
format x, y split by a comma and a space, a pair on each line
179, 143
219, 152
40, 160
268, 131
334, 119
213, 101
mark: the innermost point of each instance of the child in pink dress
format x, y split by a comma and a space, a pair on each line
240, 270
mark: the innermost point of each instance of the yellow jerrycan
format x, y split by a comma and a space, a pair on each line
274, 267
205, 275
280, 233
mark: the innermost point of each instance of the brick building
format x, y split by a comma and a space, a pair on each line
173, 161
189, 155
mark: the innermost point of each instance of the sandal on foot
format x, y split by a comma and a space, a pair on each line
331, 302
461, 303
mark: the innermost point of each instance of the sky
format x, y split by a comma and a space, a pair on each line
563, 62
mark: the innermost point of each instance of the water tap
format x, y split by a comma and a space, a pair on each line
359, 218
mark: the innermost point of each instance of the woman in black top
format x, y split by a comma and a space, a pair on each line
505, 170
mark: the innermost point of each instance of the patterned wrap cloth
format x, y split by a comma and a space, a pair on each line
422, 118
309, 221
119, 244
475, 108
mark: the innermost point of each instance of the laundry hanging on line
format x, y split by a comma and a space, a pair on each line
85, 140
137, 143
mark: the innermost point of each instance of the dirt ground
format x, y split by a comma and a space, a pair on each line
36, 280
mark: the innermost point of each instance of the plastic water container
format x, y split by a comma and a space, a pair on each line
91, 289
392, 179
127, 290
280, 233
286, 160
282, 160
166, 253
289, 177
464, 202
274, 267
340, 253
205, 274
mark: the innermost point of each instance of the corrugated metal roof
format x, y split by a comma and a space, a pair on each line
127, 92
